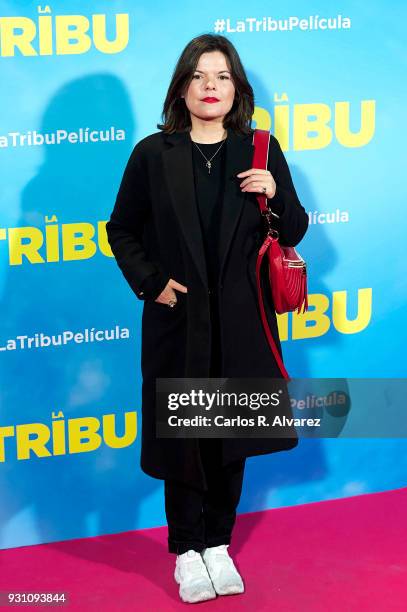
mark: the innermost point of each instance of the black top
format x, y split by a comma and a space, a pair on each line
209, 195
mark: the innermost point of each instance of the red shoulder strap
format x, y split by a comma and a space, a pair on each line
261, 139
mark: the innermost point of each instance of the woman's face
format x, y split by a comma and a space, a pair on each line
211, 79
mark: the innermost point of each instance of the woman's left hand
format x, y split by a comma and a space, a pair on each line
256, 180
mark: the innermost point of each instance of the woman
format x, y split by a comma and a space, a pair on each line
185, 231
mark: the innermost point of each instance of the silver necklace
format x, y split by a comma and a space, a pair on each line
209, 161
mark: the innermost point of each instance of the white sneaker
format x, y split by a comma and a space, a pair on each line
193, 578
222, 571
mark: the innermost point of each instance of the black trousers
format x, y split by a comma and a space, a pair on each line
199, 519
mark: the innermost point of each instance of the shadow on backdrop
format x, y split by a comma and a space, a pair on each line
61, 497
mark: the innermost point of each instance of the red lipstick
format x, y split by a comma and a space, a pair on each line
210, 100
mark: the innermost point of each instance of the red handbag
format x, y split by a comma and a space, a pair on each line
287, 271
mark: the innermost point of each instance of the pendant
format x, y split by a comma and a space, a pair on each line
209, 165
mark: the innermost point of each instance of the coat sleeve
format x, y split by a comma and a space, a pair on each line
125, 230
293, 219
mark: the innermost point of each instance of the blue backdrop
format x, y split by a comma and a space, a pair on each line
80, 86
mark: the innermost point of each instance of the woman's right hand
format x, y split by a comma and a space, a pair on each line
168, 293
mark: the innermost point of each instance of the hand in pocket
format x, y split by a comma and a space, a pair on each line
168, 294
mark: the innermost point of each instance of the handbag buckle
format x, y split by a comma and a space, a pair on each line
271, 231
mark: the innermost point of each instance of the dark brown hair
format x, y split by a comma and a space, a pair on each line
175, 113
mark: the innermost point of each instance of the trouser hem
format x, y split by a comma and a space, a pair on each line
179, 548
217, 541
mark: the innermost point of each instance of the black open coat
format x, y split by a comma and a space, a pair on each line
154, 233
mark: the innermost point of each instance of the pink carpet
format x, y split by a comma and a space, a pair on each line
341, 555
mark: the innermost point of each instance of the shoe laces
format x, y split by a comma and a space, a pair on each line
193, 563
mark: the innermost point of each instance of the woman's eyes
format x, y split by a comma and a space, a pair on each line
222, 76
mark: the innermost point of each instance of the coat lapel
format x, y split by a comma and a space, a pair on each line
239, 157
177, 162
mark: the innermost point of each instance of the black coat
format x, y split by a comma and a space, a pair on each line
154, 233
